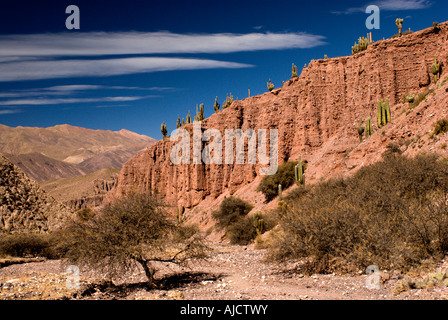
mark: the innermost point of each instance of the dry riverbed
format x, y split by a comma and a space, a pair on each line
231, 273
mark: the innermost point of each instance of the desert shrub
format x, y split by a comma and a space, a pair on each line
419, 99
393, 148
232, 216
392, 214
26, 245
230, 210
284, 176
440, 127
242, 231
133, 230
85, 214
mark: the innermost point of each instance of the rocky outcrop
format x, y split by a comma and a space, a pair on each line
316, 116
24, 206
99, 190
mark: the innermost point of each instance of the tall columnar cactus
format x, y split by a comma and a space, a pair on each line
363, 43
384, 114
280, 192
163, 129
435, 69
399, 24
361, 130
228, 102
216, 105
270, 85
299, 172
199, 113
380, 114
259, 223
369, 129
294, 73
386, 107
188, 118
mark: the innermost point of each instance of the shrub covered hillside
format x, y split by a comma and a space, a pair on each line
392, 214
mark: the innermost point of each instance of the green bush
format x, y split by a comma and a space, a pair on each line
269, 184
392, 214
242, 232
230, 210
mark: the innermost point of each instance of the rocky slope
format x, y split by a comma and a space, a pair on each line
82, 192
41, 168
24, 206
66, 151
316, 116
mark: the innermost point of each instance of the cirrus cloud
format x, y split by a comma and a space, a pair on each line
131, 43
390, 5
51, 69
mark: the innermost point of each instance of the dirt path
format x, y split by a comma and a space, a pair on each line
231, 273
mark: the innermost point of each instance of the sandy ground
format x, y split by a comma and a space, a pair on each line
231, 273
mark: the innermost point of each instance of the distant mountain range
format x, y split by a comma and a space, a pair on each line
65, 151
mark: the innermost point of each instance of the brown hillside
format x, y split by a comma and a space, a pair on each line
316, 115
40, 168
66, 151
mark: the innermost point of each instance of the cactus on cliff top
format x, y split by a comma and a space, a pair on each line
228, 102
399, 24
188, 119
363, 43
216, 105
294, 72
270, 85
199, 113
164, 129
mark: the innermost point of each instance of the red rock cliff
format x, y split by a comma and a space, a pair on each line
316, 116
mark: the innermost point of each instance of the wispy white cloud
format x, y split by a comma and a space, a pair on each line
87, 87
40, 101
125, 43
49, 69
69, 55
390, 5
10, 111
112, 106
64, 90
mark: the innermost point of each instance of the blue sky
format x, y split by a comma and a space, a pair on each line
134, 64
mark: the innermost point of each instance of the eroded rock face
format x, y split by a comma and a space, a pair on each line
316, 116
24, 206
